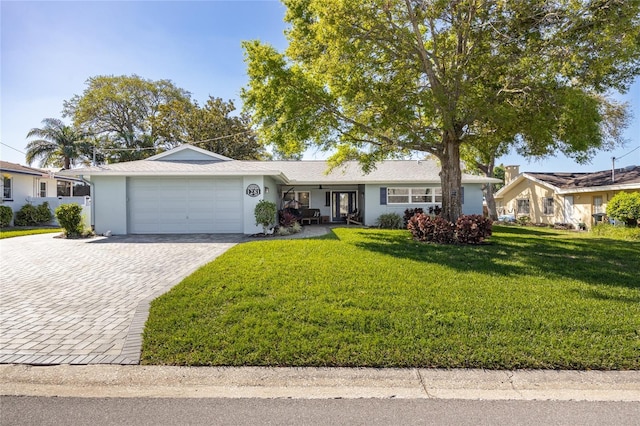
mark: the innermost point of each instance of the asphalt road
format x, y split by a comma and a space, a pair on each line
227, 411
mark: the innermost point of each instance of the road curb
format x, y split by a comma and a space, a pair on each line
317, 383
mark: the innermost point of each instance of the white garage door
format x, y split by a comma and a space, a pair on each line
166, 205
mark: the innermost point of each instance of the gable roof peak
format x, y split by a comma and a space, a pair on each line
188, 147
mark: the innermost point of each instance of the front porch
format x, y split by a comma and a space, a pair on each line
334, 203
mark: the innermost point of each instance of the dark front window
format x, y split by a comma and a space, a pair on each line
81, 189
547, 206
523, 206
64, 189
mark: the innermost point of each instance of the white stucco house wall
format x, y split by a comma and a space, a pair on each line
29, 185
190, 190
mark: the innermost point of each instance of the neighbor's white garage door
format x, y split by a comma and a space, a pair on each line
164, 205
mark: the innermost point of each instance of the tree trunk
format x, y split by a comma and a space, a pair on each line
491, 201
451, 178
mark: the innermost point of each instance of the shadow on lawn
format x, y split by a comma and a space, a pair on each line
522, 251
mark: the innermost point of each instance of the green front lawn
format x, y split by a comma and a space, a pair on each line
21, 232
532, 298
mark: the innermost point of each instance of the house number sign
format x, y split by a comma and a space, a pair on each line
253, 190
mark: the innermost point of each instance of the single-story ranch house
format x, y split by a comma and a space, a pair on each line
28, 185
578, 199
190, 190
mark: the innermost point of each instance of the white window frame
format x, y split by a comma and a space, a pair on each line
548, 206
431, 195
518, 211
8, 179
40, 188
598, 207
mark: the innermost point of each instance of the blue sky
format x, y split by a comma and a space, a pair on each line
50, 48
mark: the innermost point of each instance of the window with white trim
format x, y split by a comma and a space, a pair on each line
523, 206
597, 204
547, 206
408, 195
7, 186
39, 188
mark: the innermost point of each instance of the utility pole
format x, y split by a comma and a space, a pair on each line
613, 169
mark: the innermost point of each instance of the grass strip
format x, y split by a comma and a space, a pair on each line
18, 232
374, 298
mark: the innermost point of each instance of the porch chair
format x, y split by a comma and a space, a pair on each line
354, 217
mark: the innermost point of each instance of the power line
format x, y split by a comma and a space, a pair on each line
15, 149
617, 158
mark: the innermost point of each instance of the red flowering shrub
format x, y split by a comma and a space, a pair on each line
472, 229
287, 219
409, 213
432, 229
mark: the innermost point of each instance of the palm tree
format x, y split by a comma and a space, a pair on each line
57, 145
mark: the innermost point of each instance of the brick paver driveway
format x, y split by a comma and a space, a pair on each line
86, 301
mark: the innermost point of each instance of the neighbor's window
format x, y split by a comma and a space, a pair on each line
547, 205
81, 189
6, 188
42, 189
523, 206
597, 204
64, 189
414, 195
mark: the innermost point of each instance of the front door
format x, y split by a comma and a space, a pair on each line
568, 209
343, 204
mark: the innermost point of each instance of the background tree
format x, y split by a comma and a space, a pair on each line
57, 145
121, 111
211, 127
625, 207
378, 78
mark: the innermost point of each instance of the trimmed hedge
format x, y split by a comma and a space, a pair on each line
70, 218
30, 215
6, 214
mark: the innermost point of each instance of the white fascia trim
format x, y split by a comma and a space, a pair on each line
600, 188
541, 182
520, 178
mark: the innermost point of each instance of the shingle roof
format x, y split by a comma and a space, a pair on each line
6, 166
162, 167
628, 175
390, 171
298, 172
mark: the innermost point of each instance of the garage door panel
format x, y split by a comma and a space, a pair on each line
181, 205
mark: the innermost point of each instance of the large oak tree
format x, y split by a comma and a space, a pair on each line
212, 126
120, 111
133, 118
377, 78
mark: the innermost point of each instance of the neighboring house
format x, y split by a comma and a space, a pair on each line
579, 199
190, 190
22, 185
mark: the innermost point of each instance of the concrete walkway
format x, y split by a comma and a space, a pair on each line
86, 301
